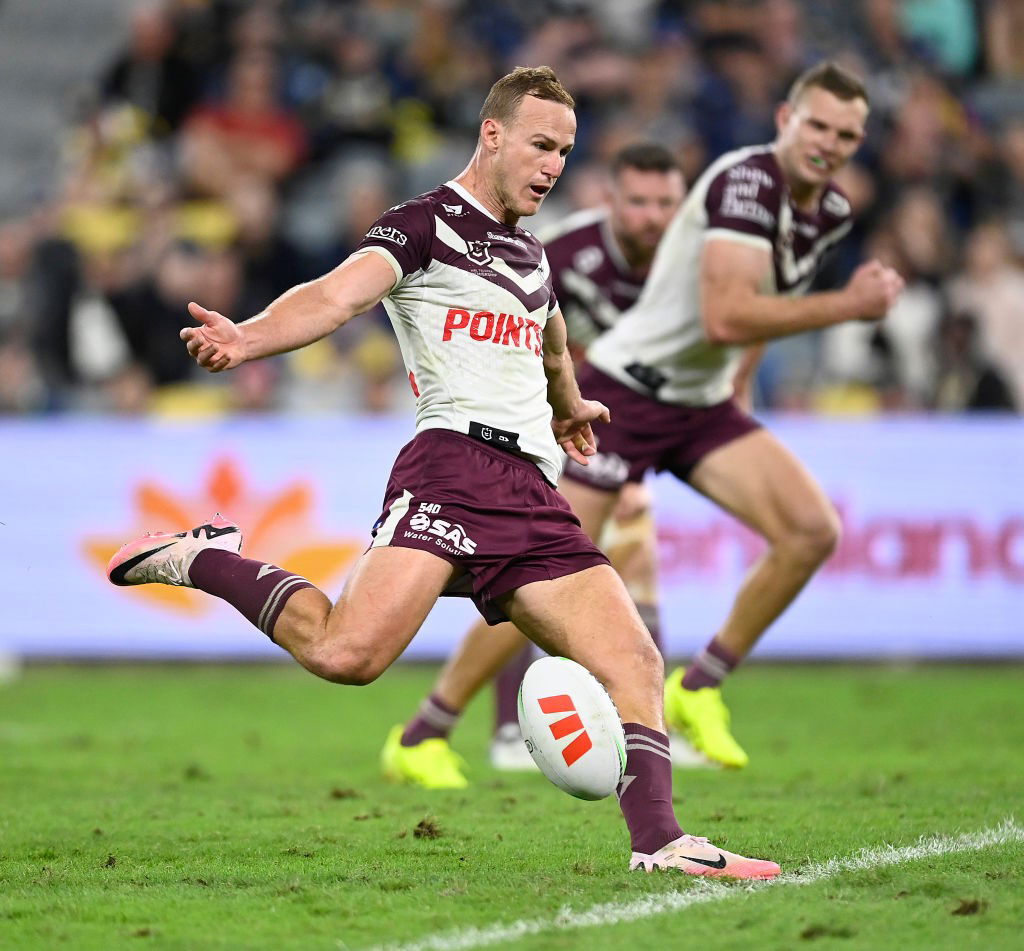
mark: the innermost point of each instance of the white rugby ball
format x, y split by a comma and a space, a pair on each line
571, 728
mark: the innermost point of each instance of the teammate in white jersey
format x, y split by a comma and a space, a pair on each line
727, 277
470, 506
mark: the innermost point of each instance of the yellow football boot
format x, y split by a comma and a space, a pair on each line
703, 719
432, 764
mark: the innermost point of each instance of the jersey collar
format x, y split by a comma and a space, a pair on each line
467, 196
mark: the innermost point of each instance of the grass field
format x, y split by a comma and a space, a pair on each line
220, 807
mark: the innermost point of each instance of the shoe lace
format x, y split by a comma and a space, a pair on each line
696, 840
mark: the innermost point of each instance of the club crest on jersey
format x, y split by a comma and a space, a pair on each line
479, 252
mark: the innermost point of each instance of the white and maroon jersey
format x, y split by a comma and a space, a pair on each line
592, 279
469, 305
659, 347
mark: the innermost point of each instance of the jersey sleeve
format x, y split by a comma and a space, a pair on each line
553, 298
743, 207
403, 236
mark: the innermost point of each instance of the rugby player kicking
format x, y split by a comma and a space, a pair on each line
730, 274
599, 259
471, 505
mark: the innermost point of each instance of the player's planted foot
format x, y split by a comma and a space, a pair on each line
432, 764
694, 855
165, 557
508, 750
703, 719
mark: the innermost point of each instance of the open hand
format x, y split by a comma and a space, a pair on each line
574, 434
217, 344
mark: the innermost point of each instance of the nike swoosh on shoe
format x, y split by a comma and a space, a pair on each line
117, 575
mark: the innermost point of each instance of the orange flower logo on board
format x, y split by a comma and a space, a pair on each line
279, 528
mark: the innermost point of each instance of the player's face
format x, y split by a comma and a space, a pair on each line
818, 135
641, 206
531, 154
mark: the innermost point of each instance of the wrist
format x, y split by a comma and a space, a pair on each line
845, 307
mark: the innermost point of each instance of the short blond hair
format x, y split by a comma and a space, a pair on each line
503, 100
832, 78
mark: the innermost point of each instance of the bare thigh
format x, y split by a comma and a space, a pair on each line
386, 599
762, 483
589, 617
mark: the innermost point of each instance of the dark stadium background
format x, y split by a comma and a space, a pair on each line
121, 197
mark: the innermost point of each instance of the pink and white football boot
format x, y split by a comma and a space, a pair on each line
694, 855
164, 558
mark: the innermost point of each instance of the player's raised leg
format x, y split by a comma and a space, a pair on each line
351, 642
589, 617
764, 485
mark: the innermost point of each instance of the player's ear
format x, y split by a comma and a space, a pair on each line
491, 132
782, 115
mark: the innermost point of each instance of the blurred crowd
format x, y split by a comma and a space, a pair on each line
232, 149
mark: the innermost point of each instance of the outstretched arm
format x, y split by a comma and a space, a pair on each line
736, 311
571, 414
299, 316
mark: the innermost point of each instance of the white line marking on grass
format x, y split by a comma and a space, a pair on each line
705, 891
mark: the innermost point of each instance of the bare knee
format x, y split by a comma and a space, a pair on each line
638, 667
813, 538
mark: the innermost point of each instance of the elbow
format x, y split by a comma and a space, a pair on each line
721, 333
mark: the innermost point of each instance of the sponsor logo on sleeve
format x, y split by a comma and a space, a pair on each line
387, 233
834, 204
740, 200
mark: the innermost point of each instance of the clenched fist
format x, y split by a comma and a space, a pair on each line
872, 290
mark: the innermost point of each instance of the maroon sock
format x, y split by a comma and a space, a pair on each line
506, 689
434, 719
710, 667
645, 793
258, 590
652, 620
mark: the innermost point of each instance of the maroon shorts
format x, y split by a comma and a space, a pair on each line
645, 434
489, 512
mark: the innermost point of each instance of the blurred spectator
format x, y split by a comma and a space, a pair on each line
244, 136
897, 357
151, 311
966, 379
1007, 190
1004, 38
150, 73
991, 287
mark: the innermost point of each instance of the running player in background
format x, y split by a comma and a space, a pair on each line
599, 260
471, 506
729, 275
